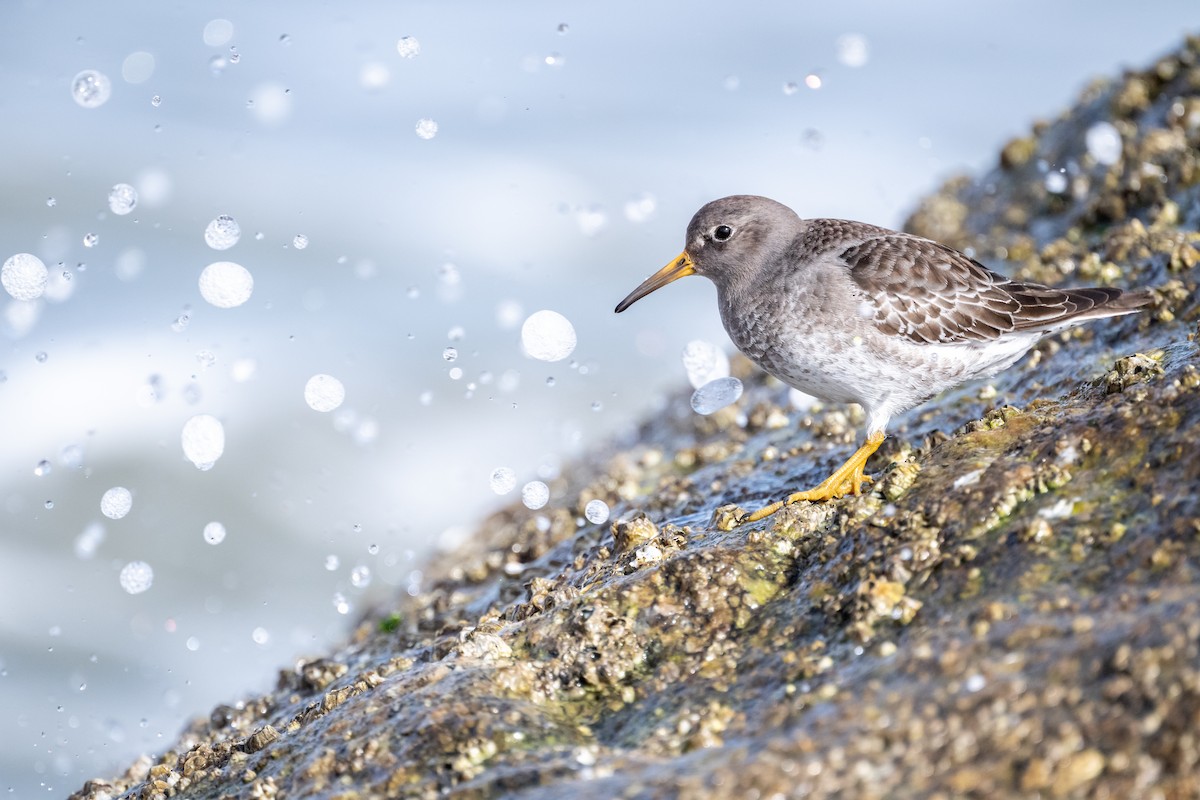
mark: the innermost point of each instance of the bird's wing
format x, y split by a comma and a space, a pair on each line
931, 293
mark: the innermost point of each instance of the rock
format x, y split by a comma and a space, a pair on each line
1013, 609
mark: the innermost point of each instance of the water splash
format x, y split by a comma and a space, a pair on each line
203, 440
548, 336
222, 233
91, 88
225, 284
324, 393
116, 502
715, 395
122, 199
24, 276
136, 577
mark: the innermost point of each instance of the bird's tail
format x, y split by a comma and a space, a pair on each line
1055, 309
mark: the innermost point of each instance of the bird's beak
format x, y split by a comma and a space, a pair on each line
678, 268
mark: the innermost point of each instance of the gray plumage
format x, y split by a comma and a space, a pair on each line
850, 312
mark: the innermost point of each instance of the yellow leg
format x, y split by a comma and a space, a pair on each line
846, 479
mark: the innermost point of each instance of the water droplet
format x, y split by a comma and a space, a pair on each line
299, 241
550, 381
791, 87
641, 208
360, 577
535, 494
408, 47
41, 356
49, 504
412, 293
116, 502
555, 60
563, 28
51, 202
450, 353
122, 198
340, 603
324, 393
731, 83
260, 636
853, 50
214, 533
715, 395
192, 644
704, 362
426, 128
449, 275
226, 284
812, 80
503, 480
548, 336
332, 562
156, 100
1056, 182
456, 333
1104, 143
136, 577
179, 325
591, 220
90, 240
205, 358
218, 32
597, 405
24, 276
596, 512
203, 441
138, 67
87, 542
71, 456
285, 39
222, 233
91, 89
42, 469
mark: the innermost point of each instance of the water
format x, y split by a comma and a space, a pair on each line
214, 533
535, 495
596, 512
203, 440
548, 336
136, 577
426, 128
226, 284
1103, 142
704, 362
122, 199
408, 47
91, 89
324, 393
503, 480
116, 502
556, 188
222, 233
24, 276
716, 394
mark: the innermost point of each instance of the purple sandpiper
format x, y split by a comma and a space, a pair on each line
853, 313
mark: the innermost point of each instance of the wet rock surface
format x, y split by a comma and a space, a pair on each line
1012, 610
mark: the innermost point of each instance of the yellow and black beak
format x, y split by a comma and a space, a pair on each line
677, 269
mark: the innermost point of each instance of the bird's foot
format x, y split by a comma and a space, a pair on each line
846, 479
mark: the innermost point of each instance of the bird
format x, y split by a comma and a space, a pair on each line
850, 312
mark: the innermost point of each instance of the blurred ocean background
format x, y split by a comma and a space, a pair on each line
407, 177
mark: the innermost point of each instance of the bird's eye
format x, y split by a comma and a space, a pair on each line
721, 233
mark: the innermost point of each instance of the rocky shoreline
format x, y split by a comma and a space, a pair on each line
1012, 611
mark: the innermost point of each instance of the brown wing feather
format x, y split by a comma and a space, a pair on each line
931, 293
